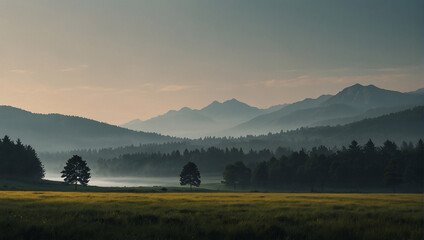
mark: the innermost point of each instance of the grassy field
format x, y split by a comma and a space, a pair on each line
73, 215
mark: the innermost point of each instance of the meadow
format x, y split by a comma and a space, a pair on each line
74, 215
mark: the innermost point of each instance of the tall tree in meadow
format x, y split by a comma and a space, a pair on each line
190, 175
76, 171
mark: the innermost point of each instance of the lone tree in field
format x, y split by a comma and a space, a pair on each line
190, 175
76, 171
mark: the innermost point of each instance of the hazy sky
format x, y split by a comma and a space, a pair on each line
115, 61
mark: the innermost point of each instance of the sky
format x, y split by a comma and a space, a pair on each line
115, 61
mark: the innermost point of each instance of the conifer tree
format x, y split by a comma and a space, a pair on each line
76, 171
190, 175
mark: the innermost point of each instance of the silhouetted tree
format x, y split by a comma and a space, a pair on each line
190, 175
369, 147
354, 147
76, 171
19, 161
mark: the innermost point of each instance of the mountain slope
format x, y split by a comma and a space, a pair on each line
55, 132
270, 121
184, 123
371, 113
418, 91
401, 126
356, 99
367, 97
405, 125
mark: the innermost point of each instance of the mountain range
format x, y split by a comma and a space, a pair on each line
208, 121
56, 132
234, 118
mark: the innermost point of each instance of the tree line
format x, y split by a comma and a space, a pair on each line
211, 160
354, 167
19, 161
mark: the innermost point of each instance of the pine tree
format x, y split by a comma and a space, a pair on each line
190, 175
76, 171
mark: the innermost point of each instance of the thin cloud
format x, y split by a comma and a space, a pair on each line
71, 69
174, 88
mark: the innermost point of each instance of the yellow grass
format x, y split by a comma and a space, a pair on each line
50, 215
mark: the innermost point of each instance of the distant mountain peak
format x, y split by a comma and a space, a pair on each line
356, 85
359, 86
135, 121
233, 100
185, 109
370, 96
213, 103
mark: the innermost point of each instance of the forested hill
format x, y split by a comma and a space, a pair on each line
351, 102
401, 126
55, 132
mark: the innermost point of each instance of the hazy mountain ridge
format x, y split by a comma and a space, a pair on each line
55, 132
234, 118
418, 91
357, 99
266, 122
207, 121
406, 125
371, 113
367, 97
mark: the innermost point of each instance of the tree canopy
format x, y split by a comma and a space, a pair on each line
76, 171
19, 161
190, 175
354, 167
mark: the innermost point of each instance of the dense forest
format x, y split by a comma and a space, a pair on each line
355, 167
211, 161
19, 161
